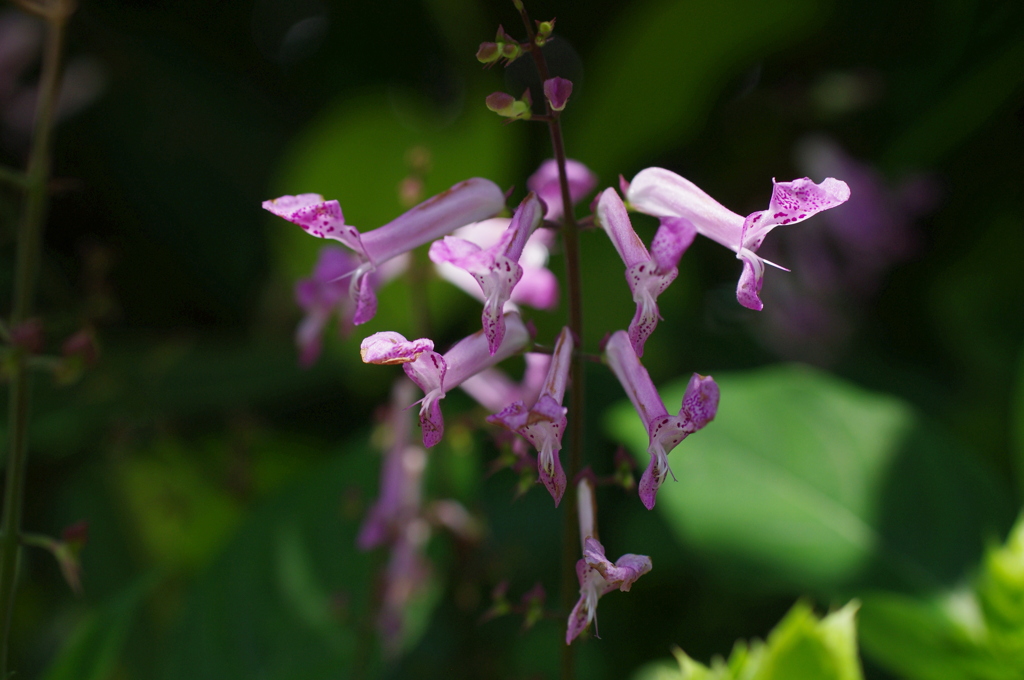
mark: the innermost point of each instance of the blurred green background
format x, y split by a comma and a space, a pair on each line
870, 440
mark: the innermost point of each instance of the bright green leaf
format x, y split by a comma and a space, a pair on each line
809, 483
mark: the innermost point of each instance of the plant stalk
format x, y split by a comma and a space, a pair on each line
570, 240
26, 272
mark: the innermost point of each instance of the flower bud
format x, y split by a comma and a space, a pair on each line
507, 106
544, 31
488, 53
557, 91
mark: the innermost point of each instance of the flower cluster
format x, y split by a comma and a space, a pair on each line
502, 262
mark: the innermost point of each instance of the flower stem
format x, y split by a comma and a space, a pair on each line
570, 240
25, 278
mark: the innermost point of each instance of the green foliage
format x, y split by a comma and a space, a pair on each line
973, 632
800, 647
815, 484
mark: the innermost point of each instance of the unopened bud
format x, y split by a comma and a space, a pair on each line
82, 344
511, 51
557, 91
507, 106
488, 53
501, 103
544, 31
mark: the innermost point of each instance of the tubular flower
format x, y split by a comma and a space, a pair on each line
497, 268
664, 431
648, 274
469, 201
666, 195
538, 288
434, 373
597, 577
544, 182
543, 423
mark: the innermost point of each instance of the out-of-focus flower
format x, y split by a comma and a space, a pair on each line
496, 269
543, 422
468, 201
648, 274
664, 431
325, 293
841, 264
21, 40
664, 194
544, 182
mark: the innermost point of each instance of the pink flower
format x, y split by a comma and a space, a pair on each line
436, 374
468, 201
666, 195
496, 269
543, 423
597, 577
665, 431
647, 275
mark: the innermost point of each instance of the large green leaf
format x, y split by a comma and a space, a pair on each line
808, 483
661, 67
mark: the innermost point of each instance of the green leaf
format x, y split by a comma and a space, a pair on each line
807, 483
800, 647
94, 650
664, 63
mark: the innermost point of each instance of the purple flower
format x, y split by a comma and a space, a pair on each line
436, 374
538, 288
664, 194
543, 423
598, 577
647, 274
468, 201
497, 268
664, 431
401, 480
557, 91
544, 182
388, 348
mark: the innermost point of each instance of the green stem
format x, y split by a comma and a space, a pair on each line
570, 239
25, 277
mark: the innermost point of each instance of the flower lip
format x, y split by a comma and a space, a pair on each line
389, 348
